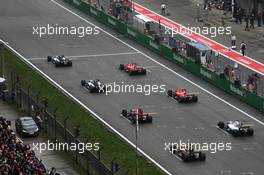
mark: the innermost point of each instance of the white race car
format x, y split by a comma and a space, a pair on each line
237, 128
94, 86
59, 61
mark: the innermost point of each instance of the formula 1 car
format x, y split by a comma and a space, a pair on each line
59, 61
182, 95
133, 69
94, 86
134, 113
236, 128
187, 154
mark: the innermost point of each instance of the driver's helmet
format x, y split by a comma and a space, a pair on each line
236, 123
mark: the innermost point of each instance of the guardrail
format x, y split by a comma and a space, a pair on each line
149, 42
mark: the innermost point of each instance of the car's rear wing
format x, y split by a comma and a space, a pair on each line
246, 125
193, 93
150, 113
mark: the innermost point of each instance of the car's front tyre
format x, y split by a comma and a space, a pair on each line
221, 125
49, 58
121, 67
83, 82
124, 112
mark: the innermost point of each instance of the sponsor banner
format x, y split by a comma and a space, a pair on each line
131, 33
178, 58
77, 2
206, 73
236, 90
111, 21
94, 12
153, 44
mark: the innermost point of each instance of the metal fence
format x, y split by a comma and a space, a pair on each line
33, 104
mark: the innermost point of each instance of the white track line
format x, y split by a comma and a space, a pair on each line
88, 56
186, 79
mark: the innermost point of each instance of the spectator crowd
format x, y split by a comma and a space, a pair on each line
17, 158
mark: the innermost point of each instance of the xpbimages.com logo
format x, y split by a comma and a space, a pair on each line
145, 89
212, 147
189, 30
60, 146
80, 31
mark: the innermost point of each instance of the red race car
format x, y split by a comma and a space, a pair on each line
134, 113
182, 95
133, 69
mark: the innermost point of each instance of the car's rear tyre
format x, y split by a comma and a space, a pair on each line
149, 118
131, 73
250, 132
195, 98
221, 125
144, 72
49, 58
83, 82
202, 157
121, 67
70, 63
181, 100
124, 113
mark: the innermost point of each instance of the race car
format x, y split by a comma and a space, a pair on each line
186, 154
236, 128
134, 113
59, 61
133, 69
94, 86
182, 95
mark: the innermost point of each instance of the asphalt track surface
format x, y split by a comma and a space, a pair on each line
173, 122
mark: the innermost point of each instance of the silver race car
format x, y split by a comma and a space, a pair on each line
237, 128
60, 61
